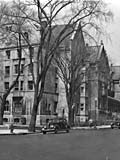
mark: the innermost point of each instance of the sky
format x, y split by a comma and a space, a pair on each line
113, 29
113, 47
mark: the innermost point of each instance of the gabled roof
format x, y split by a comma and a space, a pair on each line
58, 28
70, 32
94, 53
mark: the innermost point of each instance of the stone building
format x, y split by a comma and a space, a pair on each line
73, 47
91, 100
20, 100
114, 92
93, 90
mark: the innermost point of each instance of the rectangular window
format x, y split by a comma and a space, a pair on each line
31, 49
19, 52
30, 85
8, 28
16, 69
22, 68
56, 87
55, 106
29, 68
6, 85
82, 89
7, 70
82, 106
7, 106
8, 54
17, 86
21, 85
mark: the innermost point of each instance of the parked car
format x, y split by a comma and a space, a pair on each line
55, 125
115, 124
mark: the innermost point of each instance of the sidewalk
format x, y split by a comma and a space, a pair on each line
25, 131
97, 127
17, 132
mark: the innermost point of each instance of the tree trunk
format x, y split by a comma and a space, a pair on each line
37, 99
70, 112
70, 117
33, 117
2, 111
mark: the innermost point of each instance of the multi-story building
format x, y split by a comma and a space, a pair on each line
93, 90
114, 92
73, 48
92, 101
20, 100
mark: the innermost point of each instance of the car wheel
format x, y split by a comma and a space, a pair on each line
67, 130
112, 127
56, 131
44, 132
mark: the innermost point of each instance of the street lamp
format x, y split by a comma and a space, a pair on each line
95, 111
73, 113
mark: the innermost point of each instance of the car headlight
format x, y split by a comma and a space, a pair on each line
52, 126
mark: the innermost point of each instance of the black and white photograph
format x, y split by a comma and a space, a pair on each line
59, 80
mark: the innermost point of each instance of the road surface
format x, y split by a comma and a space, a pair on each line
76, 145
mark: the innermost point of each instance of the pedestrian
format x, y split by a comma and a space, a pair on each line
11, 128
90, 122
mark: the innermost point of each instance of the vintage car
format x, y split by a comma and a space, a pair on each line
115, 124
55, 125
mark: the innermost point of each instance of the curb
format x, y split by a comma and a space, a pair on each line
21, 133
88, 128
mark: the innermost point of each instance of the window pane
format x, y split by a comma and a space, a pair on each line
17, 86
7, 106
30, 85
21, 85
7, 70
22, 68
8, 54
6, 85
16, 68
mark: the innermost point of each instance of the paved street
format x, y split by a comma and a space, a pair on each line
76, 145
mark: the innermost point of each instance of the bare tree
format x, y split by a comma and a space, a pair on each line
45, 19
11, 33
49, 16
71, 62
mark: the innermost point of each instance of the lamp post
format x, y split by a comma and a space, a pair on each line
95, 112
73, 113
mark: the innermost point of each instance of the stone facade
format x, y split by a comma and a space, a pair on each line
94, 88
114, 92
20, 100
